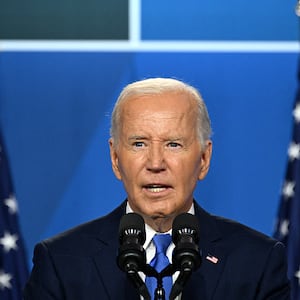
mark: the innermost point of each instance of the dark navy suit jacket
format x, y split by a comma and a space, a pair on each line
80, 264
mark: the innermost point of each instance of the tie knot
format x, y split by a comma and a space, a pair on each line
162, 242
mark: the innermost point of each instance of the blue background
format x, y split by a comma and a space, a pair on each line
219, 20
55, 113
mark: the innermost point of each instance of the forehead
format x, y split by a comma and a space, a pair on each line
166, 114
171, 103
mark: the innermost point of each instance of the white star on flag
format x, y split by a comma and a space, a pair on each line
288, 189
5, 279
294, 151
12, 205
9, 241
13, 265
296, 113
284, 227
297, 274
288, 225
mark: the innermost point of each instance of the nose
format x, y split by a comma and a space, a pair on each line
156, 161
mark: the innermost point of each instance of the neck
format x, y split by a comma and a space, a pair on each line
159, 224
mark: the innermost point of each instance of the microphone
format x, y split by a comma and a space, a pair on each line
186, 255
131, 255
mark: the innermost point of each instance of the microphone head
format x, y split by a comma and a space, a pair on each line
132, 235
132, 224
185, 224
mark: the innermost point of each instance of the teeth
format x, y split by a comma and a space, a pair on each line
155, 189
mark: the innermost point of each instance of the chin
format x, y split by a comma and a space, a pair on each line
161, 213
158, 209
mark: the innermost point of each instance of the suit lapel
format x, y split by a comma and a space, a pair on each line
115, 281
204, 281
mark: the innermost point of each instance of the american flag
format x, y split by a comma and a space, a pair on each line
288, 221
13, 268
212, 259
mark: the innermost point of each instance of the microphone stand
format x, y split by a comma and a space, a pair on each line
185, 271
159, 293
139, 284
180, 282
184, 274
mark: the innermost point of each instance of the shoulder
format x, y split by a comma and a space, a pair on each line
87, 237
248, 248
249, 245
252, 262
235, 231
232, 234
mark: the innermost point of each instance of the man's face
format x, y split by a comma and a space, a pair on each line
158, 156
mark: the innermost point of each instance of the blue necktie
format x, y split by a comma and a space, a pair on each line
159, 262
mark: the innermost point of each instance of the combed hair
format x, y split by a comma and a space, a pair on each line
158, 86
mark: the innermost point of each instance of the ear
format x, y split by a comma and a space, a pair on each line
114, 159
205, 160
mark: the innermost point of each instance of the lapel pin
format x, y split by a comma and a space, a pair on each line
212, 258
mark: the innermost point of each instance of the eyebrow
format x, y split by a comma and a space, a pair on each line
137, 137
141, 137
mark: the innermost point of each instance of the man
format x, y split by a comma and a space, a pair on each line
160, 147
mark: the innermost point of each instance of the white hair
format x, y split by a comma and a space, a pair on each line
158, 86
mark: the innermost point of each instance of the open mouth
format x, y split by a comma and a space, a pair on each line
156, 188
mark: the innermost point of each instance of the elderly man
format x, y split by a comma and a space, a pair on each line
160, 147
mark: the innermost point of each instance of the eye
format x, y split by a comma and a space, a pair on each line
174, 145
138, 144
